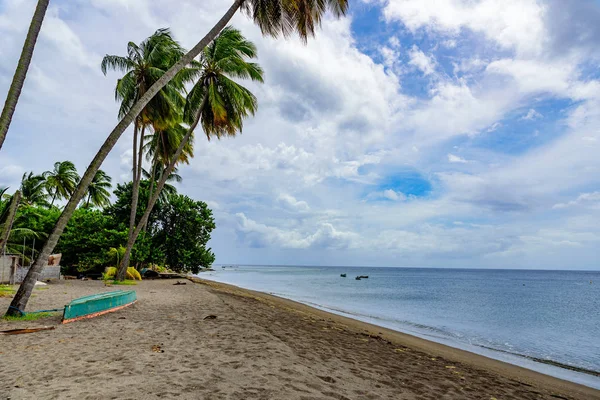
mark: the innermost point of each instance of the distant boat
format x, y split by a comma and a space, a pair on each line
343, 275
98, 304
357, 278
364, 276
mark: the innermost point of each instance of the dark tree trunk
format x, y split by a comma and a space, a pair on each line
12, 212
12, 98
162, 181
22, 296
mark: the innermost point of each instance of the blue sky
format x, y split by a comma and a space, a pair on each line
459, 133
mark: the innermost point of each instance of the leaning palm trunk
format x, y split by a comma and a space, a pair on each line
12, 211
159, 187
21, 72
135, 193
22, 296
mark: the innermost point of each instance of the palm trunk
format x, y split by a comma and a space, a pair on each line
12, 211
22, 296
154, 162
21, 72
162, 181
135, 194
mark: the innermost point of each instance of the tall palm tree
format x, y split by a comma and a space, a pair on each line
33, 189
274, 17
144, 65
98, 192
167, 189
8, 220
61, 181
161, 146
18, 81
220, 103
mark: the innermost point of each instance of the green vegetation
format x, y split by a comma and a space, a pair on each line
29, 316
96, 236
6, 291
126, 282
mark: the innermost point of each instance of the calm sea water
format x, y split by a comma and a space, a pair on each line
548, 321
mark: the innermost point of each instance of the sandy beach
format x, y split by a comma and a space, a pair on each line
258, 347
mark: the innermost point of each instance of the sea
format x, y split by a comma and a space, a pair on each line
548, 321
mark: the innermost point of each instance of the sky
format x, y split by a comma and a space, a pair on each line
440, 133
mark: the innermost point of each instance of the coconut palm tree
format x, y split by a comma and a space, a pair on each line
98, 192
16, 86
274, 17
8, 219
216, 100
61, 181
168, 189
33, 189
161, 146
143, 65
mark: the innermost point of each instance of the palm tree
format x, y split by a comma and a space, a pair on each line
16, 86
143, 65
33, 189
216, 100
274, 17
98, 192
9, 219
62, 180
168, 189
161, 147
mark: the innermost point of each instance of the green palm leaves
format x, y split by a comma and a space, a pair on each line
33, 188
221, 102
62, 180
98, 194
275, 17
143, 66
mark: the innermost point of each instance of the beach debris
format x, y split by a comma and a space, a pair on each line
180, 283
157, 349
326, 379
210, 317
26, 330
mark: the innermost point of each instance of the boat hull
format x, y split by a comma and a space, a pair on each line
98, 304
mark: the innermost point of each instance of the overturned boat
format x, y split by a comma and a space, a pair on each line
98, 304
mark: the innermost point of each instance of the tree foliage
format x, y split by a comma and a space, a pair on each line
185, 230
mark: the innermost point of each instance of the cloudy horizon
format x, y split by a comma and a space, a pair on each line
412, 133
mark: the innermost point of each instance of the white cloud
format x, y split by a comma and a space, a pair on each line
510, 23
456, 159
585, 200
425, 63
290, 202
532, 115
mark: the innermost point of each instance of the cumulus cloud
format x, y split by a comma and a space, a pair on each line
584, 200
532, 115
290, 202
425, 63
456, 159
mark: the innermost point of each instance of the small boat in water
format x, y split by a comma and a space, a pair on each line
357, 278
343, 275
98, 304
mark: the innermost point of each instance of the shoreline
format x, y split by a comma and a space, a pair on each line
511, 371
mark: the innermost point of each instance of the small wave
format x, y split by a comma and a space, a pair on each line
546, 361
